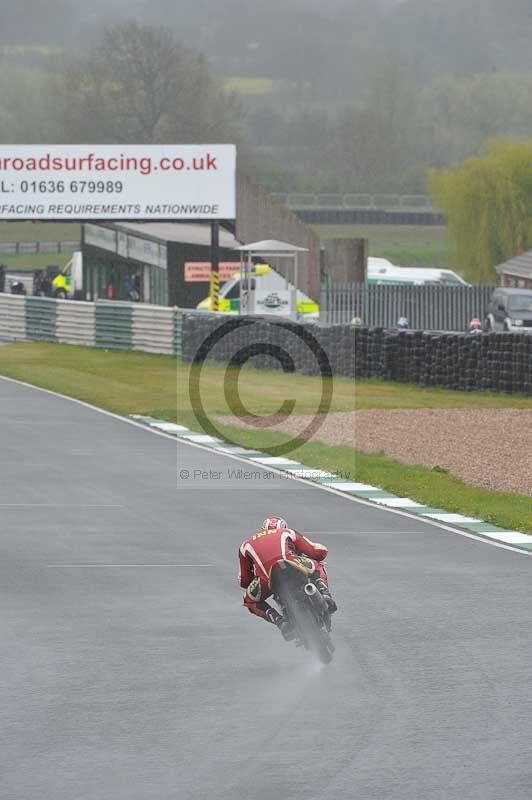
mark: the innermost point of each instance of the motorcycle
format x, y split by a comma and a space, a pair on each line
303, 605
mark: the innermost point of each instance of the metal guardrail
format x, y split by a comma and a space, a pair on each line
381, 202
430, 308
32, 248
113, 325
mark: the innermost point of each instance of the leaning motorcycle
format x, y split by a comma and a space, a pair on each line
303, 605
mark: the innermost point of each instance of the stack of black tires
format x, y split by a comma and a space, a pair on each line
498, 362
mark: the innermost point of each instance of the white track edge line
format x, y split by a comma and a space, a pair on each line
175, 439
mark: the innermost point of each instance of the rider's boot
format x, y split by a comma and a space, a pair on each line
324, 591
272, 615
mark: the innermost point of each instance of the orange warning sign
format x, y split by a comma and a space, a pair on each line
200, 271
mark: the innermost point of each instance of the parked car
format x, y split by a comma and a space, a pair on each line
510, 310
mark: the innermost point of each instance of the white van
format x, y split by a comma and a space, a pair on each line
381, 271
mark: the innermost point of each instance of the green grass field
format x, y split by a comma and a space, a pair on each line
430, 487
138, 383
249, 85
36, 261
40, 232
10, 50
376, 393
387, 235
404, 245
130, 382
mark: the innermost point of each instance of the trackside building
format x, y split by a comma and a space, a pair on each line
146, 261
517, 272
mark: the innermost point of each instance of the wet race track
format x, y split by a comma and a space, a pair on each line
129, 668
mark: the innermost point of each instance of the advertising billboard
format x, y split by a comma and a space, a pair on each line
111, 182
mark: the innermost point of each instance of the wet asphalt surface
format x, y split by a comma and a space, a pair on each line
130, 670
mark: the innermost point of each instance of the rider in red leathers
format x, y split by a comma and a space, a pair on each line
258, 553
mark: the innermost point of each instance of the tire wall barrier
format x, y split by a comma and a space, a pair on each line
113, 326
497, 362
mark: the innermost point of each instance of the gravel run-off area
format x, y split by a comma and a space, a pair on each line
491, 447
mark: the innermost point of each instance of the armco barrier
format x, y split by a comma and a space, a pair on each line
496, 362
114, 326
111, 325
75, 322
41, 319
12, 318
178, 333
152, 329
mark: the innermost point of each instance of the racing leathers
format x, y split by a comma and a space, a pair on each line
260, 552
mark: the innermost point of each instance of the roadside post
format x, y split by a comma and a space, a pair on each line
215, 266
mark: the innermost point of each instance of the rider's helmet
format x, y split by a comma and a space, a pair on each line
475, 324
402, 322
274, 524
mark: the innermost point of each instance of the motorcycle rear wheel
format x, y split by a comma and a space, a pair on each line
317, 639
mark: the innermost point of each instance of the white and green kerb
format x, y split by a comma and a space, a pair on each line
362, 491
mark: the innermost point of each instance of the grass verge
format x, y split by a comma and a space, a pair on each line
132, 382
138, 383
28, 263
430, 487
376, 393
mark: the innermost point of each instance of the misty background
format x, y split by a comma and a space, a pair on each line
357, 96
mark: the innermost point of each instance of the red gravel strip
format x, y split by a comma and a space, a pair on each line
489, 447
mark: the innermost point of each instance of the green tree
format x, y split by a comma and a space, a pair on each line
26, 113
140, 85
462, 112
376, 144
488, 204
